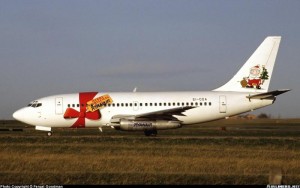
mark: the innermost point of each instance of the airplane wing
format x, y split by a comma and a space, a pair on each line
156, 115
268, 95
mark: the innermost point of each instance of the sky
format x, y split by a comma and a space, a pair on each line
64, 46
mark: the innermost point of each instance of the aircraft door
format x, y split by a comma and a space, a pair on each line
135, 105
223, 104
58, 105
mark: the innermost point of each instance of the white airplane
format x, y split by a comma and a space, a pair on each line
152, 111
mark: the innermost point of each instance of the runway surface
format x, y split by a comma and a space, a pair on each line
221, 152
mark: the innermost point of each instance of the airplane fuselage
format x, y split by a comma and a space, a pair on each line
207, 106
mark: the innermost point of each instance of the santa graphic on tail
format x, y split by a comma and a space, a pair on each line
258, 74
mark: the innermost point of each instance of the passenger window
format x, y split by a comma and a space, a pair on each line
77, 105
205, 103
209, 103
69, 105
73, 105
169, 104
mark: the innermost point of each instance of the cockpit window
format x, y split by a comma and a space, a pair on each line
35, 104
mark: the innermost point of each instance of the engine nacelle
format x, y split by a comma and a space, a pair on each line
128, 125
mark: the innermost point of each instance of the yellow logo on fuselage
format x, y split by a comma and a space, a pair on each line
98, 103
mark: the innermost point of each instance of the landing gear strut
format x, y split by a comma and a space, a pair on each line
150, 132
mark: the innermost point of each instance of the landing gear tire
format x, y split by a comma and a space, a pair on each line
150, 132
49, 133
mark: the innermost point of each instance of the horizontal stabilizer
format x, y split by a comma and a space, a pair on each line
267, 95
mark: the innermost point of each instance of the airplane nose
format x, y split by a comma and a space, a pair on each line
19, 115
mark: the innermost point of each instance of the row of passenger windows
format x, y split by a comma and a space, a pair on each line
149, 104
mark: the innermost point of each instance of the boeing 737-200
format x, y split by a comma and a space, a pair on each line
152, 111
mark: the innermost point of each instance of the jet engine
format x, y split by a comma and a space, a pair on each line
132, 125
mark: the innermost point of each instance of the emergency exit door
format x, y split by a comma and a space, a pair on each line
135, 105
223, 104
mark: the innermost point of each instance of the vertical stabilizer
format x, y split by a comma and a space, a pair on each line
255, 75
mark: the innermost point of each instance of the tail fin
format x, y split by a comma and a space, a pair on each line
255, 74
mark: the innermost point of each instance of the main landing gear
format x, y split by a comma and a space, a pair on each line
49, 133
150, 132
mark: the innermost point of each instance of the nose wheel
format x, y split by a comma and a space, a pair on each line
49, 133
